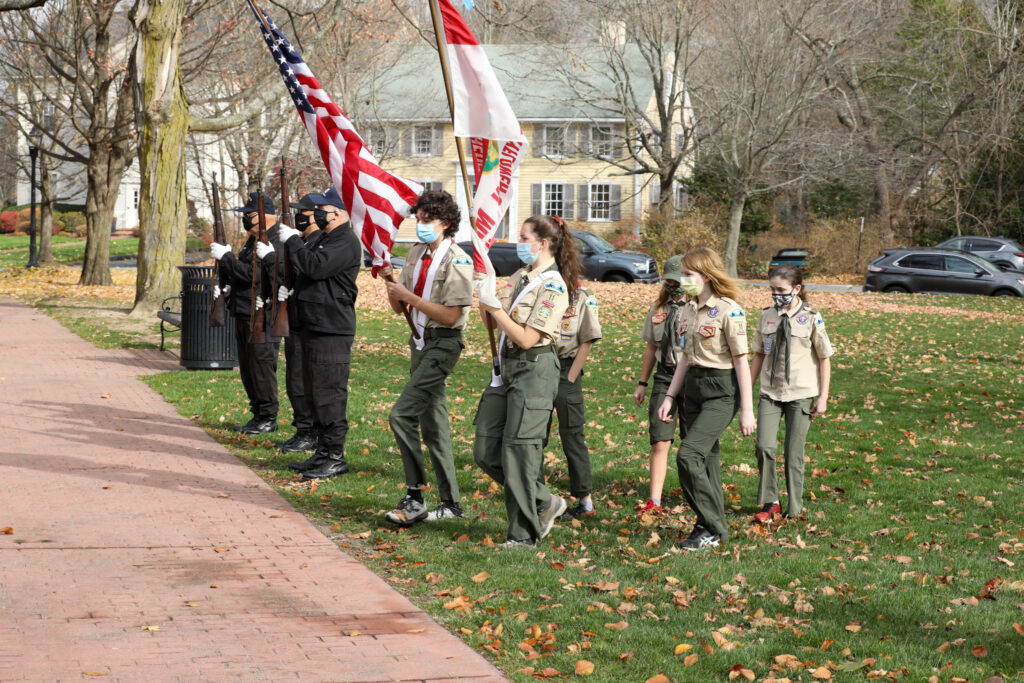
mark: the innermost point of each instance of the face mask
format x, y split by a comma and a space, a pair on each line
302, 222
674, 291
248, 222
425, 232
782, 301
691, 286
320, 216
523, 251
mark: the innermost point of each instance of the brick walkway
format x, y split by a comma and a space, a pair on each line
143, 551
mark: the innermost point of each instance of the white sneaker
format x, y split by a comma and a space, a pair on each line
553, 512
445, 511
407, 512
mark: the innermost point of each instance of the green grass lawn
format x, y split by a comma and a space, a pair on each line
8, 242
907, 564
70, 250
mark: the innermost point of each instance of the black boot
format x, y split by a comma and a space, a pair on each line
262, 426
300, 443
332, 466
313, 462
248, 425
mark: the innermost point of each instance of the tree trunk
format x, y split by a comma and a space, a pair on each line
45, 212
163, 212
732, 240
103, 175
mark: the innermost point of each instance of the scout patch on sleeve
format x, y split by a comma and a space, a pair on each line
544, 313
555, 287
736, 313
566, 325
462, 261
708, 331
515, 313
819, 321
548, 303
658, 318
592, 302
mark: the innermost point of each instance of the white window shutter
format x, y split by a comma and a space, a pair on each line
655, 192
538, 140
407, 135
536, 195
438, 140
584, 210
567, 201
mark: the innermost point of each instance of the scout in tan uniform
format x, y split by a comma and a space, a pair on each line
579, 329
512, 417
715, 379
662, 354
437, 284
792, 336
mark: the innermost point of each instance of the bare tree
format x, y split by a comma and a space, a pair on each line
6, 5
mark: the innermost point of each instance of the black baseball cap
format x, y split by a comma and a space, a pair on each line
250, 206
330, 197
304, 204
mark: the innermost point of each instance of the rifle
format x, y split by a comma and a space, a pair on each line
218, 309
258, 321
279, 327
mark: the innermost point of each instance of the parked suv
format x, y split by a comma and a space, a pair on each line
930, 269
1003, 252
600, 260
795, 256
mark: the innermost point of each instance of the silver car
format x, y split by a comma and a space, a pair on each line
1003, 252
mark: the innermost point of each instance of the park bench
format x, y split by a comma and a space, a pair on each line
170, 320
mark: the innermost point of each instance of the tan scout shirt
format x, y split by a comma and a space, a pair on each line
543, 306
453, 282
579, 325
714, 333
654, 329
810, 344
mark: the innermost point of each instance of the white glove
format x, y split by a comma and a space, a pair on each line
283, 293
216, 291
287, 233
227, 290
485, 291
259, 303
263, 249
217, 251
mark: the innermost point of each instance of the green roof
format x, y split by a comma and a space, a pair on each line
542, 82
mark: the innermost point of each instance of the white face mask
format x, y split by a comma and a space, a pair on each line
426, 232
691, 286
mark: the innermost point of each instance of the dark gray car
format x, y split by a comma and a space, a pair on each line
944, 271
1001, 251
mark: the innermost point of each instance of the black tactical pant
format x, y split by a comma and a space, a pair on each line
257, 364
302, 411
326, 361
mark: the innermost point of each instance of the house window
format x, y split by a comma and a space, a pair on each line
423, 141
600, 202
602, 141
430, 185
554, 141
554, 199
680, 198
377, 141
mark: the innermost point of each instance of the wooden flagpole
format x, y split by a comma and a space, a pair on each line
435, 16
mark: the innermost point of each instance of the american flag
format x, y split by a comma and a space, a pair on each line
377, 200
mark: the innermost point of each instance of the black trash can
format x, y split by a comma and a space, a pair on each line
203, 347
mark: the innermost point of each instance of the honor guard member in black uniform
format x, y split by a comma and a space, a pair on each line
437, 284
513, 413
325, 291
257, 363
580, 327
302, 412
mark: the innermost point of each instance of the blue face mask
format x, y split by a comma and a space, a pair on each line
426, 233
524, 253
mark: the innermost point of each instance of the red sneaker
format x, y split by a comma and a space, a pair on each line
767, 513
649, 506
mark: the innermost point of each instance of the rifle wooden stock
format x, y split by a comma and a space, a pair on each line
218, 308
279, 325
258, 320
390, 277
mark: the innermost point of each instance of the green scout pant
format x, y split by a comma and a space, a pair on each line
423, 406
662, 431
510, 426
569, 407
798, 421
710, 401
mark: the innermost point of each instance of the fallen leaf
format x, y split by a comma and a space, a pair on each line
104, 395
822, 673
626, 656
7, 530
479, 578
1019, 628
660, 678
462, 539
220, 550
550, 672
618, 626
681, 648
584, 668
95, 673
690, 659
980, 652
416, 630
150, 628
605, 586
853, 627
353, 633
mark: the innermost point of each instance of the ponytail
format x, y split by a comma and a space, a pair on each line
563, 246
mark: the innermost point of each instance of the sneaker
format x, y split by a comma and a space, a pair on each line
513, 543
767, 513
553, 511
578, 512
445, 511
650, 507
700, 539
408, 511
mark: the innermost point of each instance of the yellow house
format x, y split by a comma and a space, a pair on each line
577, 166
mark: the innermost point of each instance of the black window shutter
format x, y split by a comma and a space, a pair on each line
536, 193
615, 197
567, 202
583, 211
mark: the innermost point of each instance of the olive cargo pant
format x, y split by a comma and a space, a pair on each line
710, 401
510, 425
571, 417
662, 431
798, 421
423, 407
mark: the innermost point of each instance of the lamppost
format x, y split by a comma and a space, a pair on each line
34, 136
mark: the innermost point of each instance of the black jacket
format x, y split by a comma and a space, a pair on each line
325, 280
293, 304
239, 270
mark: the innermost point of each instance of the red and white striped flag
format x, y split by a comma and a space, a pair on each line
483, 114
377, 200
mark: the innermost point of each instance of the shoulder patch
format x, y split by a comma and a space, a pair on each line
555, 287
736, 313
818, 320
592, 302
462, 261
